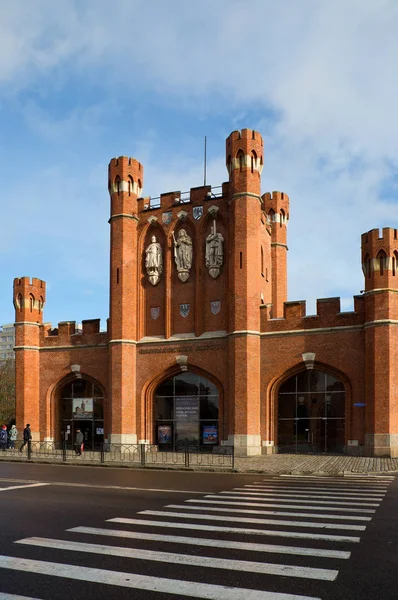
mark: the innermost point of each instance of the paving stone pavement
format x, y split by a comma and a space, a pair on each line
319, 464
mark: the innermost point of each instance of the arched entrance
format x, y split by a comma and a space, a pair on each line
81, 406
311, 413
186, 411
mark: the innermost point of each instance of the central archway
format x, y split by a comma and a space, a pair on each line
311, 413
186, 411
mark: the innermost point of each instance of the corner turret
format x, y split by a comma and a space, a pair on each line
29, 297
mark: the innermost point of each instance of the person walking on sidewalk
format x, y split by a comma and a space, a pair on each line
3, 438
12, 436
27, 436
78, 442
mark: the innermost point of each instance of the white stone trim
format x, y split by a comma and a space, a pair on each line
123, 438
27, 323
26, 348
122, 341
124, 187
247, 163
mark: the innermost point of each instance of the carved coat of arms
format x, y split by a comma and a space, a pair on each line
166, 217
155, 312
197, 212
215, 307
184, 309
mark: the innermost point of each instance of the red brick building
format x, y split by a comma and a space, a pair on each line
201, 344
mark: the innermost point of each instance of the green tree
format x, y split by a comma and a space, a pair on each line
7, 392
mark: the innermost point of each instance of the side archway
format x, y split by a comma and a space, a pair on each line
311, 413
184, 407
79, 403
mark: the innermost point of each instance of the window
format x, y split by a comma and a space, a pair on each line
186, 412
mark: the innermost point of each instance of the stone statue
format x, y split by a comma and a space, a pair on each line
154, 261
183, 254
214, 252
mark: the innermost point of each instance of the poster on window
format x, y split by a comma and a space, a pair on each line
82, 408
210, 434
164, 434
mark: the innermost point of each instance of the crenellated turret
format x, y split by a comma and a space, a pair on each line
276, 207
379, 258
126, 176
29, 298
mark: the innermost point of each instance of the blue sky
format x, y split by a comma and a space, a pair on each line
82, 81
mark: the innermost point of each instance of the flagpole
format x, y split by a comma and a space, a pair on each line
204, 170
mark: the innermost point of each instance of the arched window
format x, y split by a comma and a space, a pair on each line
130, 185
394, 262
382, 258
271, 216
311, 413
240, 156
117, 184
366, 266
81, 406
186, 411
253, 161
31, 303
262, 261
20, 302
282, 217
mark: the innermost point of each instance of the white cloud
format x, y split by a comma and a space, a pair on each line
325, 70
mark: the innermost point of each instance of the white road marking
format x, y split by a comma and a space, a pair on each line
309, 490
183, 559
20, 487
141, 582
14, 597
265, 521
210, 543
286, 495
277, 513
268, 503
180, 515
289, 534
369, 479
309, 501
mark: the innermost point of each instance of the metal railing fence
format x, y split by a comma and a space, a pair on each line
145, 455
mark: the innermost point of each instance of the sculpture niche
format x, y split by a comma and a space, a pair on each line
183, 254
214, 252
154, 261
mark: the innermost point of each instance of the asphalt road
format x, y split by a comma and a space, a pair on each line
82, 533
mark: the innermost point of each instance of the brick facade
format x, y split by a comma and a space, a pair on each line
234, 327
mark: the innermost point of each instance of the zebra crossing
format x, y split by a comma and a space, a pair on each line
249, 532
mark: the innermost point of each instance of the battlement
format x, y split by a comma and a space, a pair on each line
29, 284
195, 196
386, 238
67, 333
245, 134
328, 315
124, 162
277, 197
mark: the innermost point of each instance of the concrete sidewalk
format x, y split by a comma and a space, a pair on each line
317, 464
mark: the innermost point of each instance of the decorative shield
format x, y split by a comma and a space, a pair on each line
166, 217
215, 307
197, 212
184, 309
155, 311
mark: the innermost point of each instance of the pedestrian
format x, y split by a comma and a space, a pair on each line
3, 438
78, 442
12, 436
27, 436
